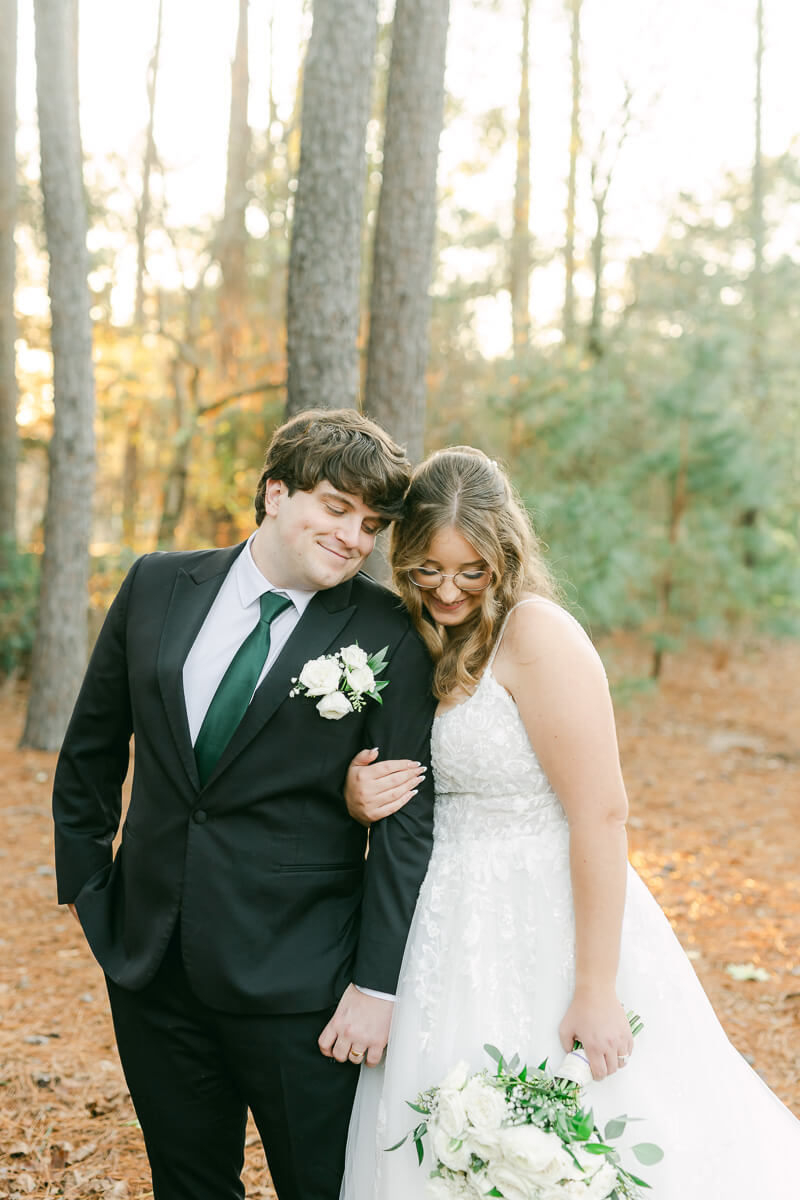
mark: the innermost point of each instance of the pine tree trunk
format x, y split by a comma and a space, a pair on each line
574, 148
233, 232
143, 215
60, 650
325, 259
520, 272
406, 223
8, 207
757, 224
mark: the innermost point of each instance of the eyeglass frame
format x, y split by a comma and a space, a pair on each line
423, 587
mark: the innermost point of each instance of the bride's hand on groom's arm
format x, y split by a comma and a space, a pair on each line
374, 790
360, 1023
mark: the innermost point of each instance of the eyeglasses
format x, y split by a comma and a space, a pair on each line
465, 581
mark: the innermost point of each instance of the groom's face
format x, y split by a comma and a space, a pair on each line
314, 540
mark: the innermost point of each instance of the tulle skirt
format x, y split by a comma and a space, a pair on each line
490, 959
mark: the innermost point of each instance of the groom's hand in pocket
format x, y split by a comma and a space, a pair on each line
360, 1023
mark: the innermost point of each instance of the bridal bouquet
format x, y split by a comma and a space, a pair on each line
521, 1134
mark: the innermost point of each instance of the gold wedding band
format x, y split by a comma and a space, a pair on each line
357, 1054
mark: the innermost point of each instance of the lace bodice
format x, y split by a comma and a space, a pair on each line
489, 782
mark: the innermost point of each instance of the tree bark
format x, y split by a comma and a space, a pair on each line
520, 266
574, 149
232, 252
601, 180
60, 650
8, 209
757, 225
406, 222
143, 215
325, 257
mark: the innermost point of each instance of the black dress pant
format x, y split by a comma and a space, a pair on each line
193, 1073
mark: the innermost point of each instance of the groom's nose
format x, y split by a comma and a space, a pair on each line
348, 530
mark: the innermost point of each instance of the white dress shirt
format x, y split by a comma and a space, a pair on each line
234, 614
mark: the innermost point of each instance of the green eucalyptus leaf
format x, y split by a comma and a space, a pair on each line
615, 1128
648, 1153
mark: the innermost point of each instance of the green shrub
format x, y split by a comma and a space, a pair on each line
19, 588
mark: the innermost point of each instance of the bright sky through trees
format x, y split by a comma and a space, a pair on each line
690, 63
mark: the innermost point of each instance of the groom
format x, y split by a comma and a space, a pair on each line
239, 917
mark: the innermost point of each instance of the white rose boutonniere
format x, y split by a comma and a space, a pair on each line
334, 705
344, 681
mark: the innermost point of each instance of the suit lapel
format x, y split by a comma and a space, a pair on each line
193, 594
318, 628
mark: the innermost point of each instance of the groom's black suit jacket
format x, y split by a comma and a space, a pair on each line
262, 867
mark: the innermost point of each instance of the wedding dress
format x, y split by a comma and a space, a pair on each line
490, 958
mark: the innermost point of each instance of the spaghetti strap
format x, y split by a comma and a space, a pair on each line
519, 604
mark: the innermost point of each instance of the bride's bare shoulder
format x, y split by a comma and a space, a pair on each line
538, 629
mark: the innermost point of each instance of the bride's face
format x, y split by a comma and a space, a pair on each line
450, 554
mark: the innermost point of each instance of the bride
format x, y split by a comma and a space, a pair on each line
531, 929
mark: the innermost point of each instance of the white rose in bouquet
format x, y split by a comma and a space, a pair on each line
512, 1183
360, 679
320, 676
597, 1181
485, 1105
530, 1150
334, 706
353, 656
484, 1142
451, 1116
450, 1151
479, 1183
439, 1188
456, 1077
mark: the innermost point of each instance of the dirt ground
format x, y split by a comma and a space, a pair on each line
712, 763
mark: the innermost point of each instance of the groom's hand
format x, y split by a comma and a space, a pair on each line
360, 1023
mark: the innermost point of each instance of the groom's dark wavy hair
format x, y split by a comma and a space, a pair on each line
343, 447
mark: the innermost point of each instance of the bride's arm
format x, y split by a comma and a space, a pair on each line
557, 680
373, 790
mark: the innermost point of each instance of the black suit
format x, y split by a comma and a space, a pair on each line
261, 873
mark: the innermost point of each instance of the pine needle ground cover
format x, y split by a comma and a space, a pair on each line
712, 763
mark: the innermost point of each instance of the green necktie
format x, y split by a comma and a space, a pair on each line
229, 702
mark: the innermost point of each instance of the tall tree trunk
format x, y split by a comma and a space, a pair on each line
325, 258
520, 266
601, 180
8, 209
232, 250
60, 650
574, 150
406, 222
143, 215
186, 413
757, 225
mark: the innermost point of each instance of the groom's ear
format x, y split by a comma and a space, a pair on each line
275, 490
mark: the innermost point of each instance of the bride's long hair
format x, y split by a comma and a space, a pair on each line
460, 488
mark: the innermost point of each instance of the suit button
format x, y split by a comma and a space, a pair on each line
200, 816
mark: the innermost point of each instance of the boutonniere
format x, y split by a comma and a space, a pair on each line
344, 681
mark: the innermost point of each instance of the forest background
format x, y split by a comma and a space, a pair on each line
565, 231
592, 274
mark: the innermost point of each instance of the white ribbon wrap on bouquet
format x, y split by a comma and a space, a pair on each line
575, 1067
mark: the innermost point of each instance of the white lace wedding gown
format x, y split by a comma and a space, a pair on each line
490, 958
